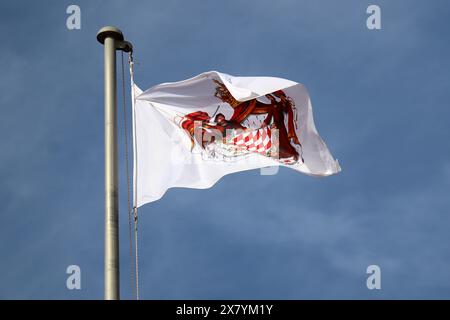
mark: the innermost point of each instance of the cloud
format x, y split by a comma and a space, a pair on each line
380, 102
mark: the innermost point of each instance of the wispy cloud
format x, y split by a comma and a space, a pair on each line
380, 101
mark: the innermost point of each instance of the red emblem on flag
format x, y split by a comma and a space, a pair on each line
244, 138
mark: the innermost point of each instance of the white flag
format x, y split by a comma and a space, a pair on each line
193, 132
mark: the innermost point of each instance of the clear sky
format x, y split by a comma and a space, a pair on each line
381, 102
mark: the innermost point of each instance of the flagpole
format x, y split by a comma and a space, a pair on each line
112, 39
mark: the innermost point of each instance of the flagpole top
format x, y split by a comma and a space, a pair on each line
107, 32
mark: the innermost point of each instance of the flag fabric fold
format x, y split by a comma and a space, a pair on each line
193, 132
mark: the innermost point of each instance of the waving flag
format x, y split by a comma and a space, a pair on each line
193, 132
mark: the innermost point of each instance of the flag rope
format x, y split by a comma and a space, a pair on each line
135, 208
133, 277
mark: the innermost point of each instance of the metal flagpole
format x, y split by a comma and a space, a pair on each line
112, 39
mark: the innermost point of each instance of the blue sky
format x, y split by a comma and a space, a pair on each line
381, 102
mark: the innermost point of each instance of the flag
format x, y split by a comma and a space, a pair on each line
193, 132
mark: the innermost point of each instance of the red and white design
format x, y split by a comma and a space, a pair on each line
257, 141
